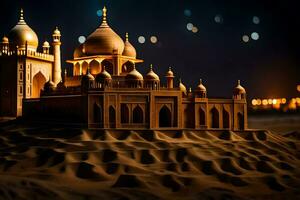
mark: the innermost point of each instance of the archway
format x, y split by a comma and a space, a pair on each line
127, 67
202, 117
95, 67
76, 69
124, 114
38, 83
165, 117
138, 115
186, 118
241, 121
98, 116
112, 117
226, 122
84, 68
214, 116
108, 66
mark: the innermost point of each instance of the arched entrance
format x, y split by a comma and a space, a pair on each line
108, 66
241, 121
98, 119
85, 66
38, 83
214, 116
165, 117
95, 67
226, 119
112, 117
138, 115
124, 114
127, 67
202, 117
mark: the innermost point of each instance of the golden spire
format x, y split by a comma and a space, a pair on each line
151, 67
21, 20
127, 37
239, 82
104, 20
200, 81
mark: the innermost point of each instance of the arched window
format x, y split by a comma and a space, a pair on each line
38, 83
124, 114
95, 67
138, 115
202, 117
98, 114
84, 68
108, 66
112, 117
226, 119
186, 118
76, 69
165, 117
241, 121
127, 67
214, 116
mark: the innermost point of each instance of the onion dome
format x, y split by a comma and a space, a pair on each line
104, 75
46, 45
200, 87
239, 89
170, 73
5, 40
182, 87
79, 52
56, 32
129, 50
134, 75
49, 86
103, 41
151, 76
22, 34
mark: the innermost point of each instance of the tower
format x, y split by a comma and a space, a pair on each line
170, 79
56, 78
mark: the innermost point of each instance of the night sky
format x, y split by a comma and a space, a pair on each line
268, 67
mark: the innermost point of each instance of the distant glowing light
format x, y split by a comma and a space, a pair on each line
283, 101
187, 12
99, 13
195, 29
219, 19
245, 38
142, 39
274, 101
298, 100
255, 36
298, 88
270, 101
256, 20
265, 102
258, 102
189, 26
154, 39
81, 39
254, 102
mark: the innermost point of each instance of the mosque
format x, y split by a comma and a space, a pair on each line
105, 89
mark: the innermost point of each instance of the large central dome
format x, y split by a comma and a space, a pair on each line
104, 41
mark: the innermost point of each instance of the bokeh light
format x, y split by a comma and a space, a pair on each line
153, 39
245, 38
188, 12
81, 39
195, 29
255, 36
265, 102
142, 39
219, 19
256, 20
259, 102
283, 101
298, 88
99, 13
254, 102
189, 26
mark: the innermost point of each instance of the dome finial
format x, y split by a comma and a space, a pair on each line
104, 10
239, 82
127, 37
151, 67
200, 81
21, 20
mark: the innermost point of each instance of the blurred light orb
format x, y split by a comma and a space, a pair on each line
274, 101
153, 39
298, 88
245, 38
256, 20
99, 13
255, 36
195, 29
265, 102
283, 101
81, 39
219, 19
189, 26
254, 102
258, 102
270, 101
142, 39
187, 12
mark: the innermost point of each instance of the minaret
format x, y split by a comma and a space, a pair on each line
170, 79
56, 77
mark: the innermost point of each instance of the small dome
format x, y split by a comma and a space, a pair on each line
46, 44
22, 33
200, 87
170, 73
134, 75
79, 52
129, 50
239, 89
5, 40
182, 88
104, 75
88, 77
152, 76
103, 41
56, 32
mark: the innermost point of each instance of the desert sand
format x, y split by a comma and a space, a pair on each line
41, 162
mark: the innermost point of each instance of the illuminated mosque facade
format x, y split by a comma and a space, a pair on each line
105, 89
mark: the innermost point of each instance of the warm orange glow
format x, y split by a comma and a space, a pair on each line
254, 102
265, 102
274, 101
298, 100
298, 88
283, 101
270, 101
258, 102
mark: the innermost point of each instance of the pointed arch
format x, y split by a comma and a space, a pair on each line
127, 67
84, 68
109, 67
112, 117
165, 117
214, 118
98, 114
95, 67
138, 115
186, 118
202, 117
38, 81
76, 70
226, 117
241, 121
124, 114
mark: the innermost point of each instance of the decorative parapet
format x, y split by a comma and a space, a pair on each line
31, 54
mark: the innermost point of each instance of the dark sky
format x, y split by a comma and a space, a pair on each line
268, 67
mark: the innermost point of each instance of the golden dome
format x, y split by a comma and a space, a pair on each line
182, 87
22, 33
46, 44
200, 87
151, 76
5, 40
88, 76
239, 89
104, 75
170, 74
134, 75
79, 52
103, 41
56, 32
129, 50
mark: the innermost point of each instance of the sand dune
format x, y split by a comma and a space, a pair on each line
64, 163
